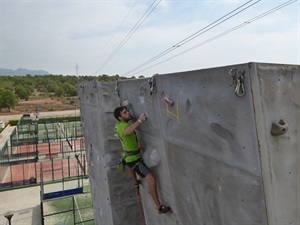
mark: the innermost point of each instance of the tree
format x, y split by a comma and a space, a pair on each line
7, 99
6, 83
59, 91
22, 92
51, 86
69, 89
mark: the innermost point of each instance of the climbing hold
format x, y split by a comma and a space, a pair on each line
169, 101
145, 115
126, 103
279, 128
151, 157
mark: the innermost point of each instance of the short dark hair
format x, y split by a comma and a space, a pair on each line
117, 112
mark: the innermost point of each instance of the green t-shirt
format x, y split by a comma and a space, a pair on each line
129, 142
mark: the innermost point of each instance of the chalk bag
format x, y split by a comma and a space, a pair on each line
121, 164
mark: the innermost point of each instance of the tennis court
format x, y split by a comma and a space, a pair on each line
26, 205
69, 210
53, 161
49, 153
53, 147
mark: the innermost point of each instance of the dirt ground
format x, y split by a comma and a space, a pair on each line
46, 104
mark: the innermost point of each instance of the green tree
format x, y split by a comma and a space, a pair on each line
51, 86
69, 89
6, 83
22, 92
7, 99
59, 91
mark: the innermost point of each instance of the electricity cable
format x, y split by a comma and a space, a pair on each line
196, 34
131, 32
137, 25
193, 36
225, 32
118, 28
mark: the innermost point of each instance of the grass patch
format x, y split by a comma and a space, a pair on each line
70, 210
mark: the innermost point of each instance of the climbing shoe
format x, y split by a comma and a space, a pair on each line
164, 209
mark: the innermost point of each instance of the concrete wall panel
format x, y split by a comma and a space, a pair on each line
122, 198
208, 117
92, 126
102, 212
138, 93
156, 149
217, 161
110, 189
126, 214
212, 191
276, 92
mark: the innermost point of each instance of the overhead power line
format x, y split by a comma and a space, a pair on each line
217, 22
131, 32
217, 36
117, 29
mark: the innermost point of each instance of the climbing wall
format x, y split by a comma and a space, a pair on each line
113, 196
221, 142
276, 90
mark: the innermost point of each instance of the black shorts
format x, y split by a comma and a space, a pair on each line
139, 167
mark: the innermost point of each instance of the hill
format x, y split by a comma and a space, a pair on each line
21, 72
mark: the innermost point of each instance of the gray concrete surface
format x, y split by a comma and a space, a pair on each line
212, 152
25, 203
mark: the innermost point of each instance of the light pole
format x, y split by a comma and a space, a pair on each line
9, 215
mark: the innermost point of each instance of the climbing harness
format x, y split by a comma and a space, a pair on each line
122, 163
131, 153
238, 81
153, 89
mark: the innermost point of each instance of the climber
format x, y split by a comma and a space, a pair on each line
132, 156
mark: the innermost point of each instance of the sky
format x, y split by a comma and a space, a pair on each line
146, 37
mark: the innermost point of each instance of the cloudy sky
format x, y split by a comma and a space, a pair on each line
145, 37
